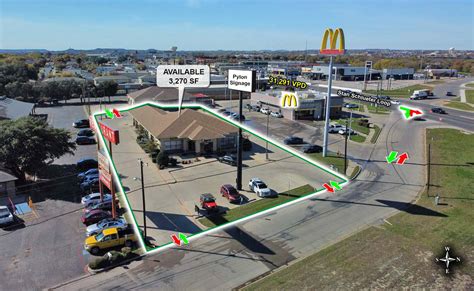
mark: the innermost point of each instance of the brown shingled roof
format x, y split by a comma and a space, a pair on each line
191, 124
155, 93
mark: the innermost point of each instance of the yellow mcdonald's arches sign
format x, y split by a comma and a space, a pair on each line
332, 36
289, 100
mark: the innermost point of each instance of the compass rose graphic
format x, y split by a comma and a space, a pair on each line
447, 259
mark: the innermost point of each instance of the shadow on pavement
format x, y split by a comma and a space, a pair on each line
411, 208
171, 221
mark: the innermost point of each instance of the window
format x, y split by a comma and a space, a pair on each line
172, 145
227, 142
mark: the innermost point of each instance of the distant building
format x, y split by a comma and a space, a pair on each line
14, 109
344, 72
398, 74
119, 79
311, 105
192, 131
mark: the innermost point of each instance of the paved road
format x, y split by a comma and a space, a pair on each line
229, 258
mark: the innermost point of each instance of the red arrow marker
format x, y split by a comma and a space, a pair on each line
176, 240
116, 113
329, 188
415, 112
402, 158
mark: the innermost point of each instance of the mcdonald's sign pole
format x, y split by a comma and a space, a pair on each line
331, 36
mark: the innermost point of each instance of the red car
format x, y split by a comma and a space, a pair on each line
229, 192
95, 216
208, 203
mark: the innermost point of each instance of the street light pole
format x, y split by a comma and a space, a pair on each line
345, 148
143, 199
328, 109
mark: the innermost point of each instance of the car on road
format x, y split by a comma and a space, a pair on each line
384, 97
265, 111
94, 198
110, 238
276, 114
395, 102
208, 203
97, 228
351, 105
82, 123
6, 217
228, 159
258, 186
85, 132
334, 128
95, 216
438, 110
87, 164
293, 140
228, 191
450, 93
82, 175
311, 148
346, 131
82, 140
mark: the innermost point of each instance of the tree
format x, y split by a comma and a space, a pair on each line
29, 143
107, 88
162, 159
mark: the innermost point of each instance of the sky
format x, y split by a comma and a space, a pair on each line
234, 24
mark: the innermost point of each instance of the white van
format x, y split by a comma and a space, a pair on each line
419, 94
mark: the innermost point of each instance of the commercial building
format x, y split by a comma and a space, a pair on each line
311, 105
166, 95
398, 74
192, 131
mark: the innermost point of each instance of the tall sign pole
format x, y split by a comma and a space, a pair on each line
242, 81
331, 36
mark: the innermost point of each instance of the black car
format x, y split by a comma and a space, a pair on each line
83, 123
87, 164
228, 159
293, 140
311, 148
450, 94
85, 140
438, 110
85, 132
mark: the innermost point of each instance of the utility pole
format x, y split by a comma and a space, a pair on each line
345, 148
239, 146
328, 110
143, 198
266, 147
429, 170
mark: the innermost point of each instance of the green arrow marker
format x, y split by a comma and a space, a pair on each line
335, 185
109, 113
392, 157
183, 238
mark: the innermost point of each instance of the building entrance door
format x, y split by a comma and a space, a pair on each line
191, 146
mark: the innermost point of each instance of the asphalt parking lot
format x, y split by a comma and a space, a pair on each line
48, 249
171, 194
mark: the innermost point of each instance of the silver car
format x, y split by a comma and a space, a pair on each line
94, 229
6, 217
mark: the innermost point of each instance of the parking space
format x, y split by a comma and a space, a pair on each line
173, 193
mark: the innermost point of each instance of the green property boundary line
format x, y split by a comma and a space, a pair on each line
149, 250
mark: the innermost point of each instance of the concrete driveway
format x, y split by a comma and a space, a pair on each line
171, 194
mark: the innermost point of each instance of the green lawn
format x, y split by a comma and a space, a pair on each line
459, 105
405, 92
470, 85
358, 138
378, 109
470, 96
354, 125
401, 255
257, 206
331, 159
